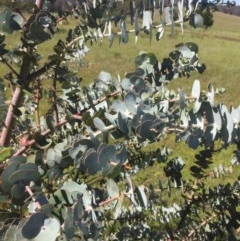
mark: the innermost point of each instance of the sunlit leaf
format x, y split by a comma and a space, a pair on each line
112, 188
33, 225
142, 196
118, 207
17, 21
50, 230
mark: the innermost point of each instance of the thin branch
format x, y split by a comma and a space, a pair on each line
54, 94
110, 199
74, 41
76, 117
41, 71
50, 64
36, 100
5, 136
201, 225
39, 3
31, 194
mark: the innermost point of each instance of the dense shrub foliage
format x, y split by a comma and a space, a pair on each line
70, 174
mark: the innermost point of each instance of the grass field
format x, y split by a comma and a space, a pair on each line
218, 49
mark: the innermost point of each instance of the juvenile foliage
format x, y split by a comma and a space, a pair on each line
72, 172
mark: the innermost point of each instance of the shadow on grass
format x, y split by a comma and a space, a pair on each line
203, 160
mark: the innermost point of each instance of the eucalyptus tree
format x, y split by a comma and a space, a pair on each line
100, 132
42, 26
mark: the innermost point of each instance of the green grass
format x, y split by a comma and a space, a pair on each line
218, 49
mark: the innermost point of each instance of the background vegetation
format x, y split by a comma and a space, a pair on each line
218, 49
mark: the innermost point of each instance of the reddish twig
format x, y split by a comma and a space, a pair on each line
77, 117
5, 137
201, 225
